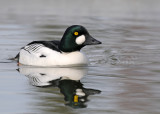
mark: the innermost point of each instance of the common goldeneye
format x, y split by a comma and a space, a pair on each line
58, 53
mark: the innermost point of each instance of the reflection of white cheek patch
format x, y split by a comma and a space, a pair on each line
80, 40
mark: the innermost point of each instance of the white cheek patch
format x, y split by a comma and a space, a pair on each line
80, 40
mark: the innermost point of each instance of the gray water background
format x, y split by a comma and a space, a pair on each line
125, 68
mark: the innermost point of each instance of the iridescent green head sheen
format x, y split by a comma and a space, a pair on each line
76, 37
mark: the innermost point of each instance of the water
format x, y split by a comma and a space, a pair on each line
123, 74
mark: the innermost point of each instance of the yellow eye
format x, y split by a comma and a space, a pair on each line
76, 33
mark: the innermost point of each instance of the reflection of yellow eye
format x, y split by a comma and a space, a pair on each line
76, 33
76, 98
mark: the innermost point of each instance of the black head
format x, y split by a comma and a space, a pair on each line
76, 37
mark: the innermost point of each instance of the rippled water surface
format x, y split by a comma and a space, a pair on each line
123, 74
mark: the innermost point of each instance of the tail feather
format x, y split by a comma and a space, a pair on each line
16, 58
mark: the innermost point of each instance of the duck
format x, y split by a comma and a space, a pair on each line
58, 53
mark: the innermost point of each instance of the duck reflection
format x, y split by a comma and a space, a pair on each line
66, 79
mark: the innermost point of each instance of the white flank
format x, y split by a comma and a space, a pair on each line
53, 58
80, 40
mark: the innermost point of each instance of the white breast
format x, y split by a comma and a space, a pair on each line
53, 58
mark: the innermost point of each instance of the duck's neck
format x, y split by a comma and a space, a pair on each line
69, 48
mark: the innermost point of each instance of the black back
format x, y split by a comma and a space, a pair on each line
54, 45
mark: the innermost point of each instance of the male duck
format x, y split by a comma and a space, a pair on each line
58, 53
